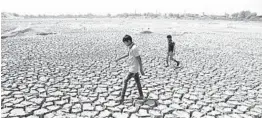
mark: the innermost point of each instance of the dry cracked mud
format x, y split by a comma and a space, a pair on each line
73, 74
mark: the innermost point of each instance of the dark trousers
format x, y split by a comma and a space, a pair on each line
137, 79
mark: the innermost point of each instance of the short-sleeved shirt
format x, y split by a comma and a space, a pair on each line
171, 46
133, 62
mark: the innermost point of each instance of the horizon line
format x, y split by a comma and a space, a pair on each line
97, 14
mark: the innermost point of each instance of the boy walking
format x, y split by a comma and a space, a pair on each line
135, 65
170, 52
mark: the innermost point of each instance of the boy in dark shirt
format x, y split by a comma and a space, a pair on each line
170, 52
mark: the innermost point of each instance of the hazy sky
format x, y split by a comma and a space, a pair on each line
121, 6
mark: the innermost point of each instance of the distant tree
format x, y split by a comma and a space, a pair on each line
252, 15
234, 15
16, 15
123, 15
151, 15
108, 15
191, 15
244, 14
176, 15
170, 15
165, 15
88, 15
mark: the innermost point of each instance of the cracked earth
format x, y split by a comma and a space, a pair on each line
73, 74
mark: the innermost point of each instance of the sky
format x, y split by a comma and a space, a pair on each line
103, 7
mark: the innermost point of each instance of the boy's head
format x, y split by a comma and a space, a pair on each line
127, 40
169, 37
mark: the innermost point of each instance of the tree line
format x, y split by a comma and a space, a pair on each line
242, 15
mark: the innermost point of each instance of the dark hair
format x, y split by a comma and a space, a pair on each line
126, 38
169, 36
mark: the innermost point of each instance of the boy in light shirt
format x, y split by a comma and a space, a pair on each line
135, 66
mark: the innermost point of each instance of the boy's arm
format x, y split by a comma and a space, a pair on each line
122, 57
140, 64
167, 47
174, 49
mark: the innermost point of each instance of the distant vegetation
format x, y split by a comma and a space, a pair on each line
242, 15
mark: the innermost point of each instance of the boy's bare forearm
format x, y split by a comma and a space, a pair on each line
122, 57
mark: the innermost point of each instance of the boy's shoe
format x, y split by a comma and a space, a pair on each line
119, 100
177, 63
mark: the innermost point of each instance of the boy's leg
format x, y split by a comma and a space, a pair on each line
137, 79
167, 57
128, 77
172, 58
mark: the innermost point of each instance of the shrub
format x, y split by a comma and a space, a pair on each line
234, 15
